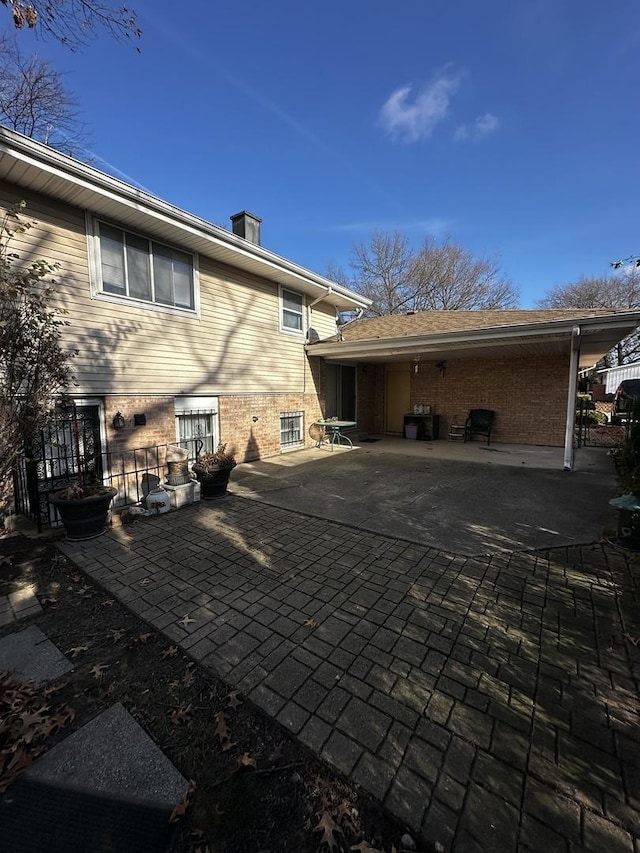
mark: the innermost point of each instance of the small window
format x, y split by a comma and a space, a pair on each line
291, 313
196, 429
291, 430
135, 267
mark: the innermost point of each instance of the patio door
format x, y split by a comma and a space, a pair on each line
397, 396
340, 395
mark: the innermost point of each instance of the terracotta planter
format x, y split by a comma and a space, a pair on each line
84, 518
213, 481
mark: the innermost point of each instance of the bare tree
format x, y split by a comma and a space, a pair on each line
438, 276
73, 22
613, 291
451, 278
34, 100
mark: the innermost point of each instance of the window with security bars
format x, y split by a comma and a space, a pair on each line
196, 430
291, 430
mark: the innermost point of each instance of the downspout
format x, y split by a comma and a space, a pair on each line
571, 398
304, 351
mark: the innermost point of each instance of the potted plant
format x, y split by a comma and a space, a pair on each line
212, 471
83, 510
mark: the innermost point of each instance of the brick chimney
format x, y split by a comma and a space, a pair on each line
247, 226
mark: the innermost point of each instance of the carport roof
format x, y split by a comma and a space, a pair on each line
488, 334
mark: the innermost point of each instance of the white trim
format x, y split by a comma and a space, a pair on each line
571, 398
87, 187
287, 330
95, 272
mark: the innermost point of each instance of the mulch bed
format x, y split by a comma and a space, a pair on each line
254, 787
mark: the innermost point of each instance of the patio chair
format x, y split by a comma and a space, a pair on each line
479, 422
318, 433
458, 428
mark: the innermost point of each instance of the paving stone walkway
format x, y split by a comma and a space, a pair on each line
489, 703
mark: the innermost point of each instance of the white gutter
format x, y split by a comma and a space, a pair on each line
406, 344
315, 302
59, 165
571, 399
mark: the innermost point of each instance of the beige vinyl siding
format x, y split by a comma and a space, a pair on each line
236, 345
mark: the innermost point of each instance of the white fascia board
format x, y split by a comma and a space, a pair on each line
559, 329
92, 180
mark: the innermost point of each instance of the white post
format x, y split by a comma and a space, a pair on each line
571, 399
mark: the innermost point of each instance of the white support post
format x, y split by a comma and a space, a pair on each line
571, 399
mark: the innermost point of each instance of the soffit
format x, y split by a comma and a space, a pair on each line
597, 336
41, 170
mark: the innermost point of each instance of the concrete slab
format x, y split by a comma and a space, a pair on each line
469, 498
112, 756
32, 656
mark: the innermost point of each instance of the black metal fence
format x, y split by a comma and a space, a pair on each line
53, 466
593, 430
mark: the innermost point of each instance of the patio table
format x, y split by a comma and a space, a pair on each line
334, 429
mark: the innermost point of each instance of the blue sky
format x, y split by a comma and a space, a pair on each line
510, 126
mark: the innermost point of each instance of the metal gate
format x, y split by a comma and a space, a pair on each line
68, 450
591, 432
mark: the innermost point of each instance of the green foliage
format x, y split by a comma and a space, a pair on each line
34, 367
627, 456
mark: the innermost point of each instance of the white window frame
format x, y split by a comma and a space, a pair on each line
287, 329
95, 271
198, 406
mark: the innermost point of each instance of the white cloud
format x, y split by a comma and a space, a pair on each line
478, 129
410, 117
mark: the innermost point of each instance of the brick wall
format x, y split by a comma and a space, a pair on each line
159, 429
250, 424
529, 395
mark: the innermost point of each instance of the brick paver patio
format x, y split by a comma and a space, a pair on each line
491, 704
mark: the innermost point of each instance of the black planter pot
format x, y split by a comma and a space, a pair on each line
84, 518
213, 483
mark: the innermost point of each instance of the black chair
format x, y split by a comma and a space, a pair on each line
479, 422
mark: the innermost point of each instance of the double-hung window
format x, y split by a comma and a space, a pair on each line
136, 267
291, 312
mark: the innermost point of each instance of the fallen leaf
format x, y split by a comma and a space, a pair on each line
186, 620
170, 652
365, 847
223, 733
77, 650
145, 581
117, 634
328, 827
108, 602
181, 715
77, 577
188, 678
97, 670
233, 701
310, 623
245, 760
142, 638
183, 805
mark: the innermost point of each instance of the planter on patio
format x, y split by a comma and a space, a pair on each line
212, 471
84, 516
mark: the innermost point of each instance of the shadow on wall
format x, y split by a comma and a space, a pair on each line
252, 450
